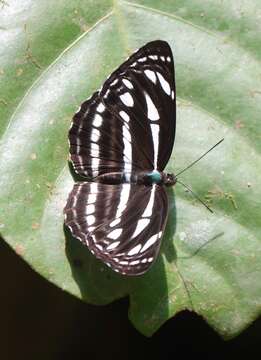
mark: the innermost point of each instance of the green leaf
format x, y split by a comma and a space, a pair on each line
53, 56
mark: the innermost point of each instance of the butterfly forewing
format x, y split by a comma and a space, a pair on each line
94, 149
129, 125
121, 224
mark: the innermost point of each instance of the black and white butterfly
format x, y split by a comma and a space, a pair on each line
121, 140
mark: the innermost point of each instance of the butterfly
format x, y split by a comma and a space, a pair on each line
120, 141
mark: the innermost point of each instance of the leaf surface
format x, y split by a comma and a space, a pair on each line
53, 56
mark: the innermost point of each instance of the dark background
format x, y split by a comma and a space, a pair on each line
39, 321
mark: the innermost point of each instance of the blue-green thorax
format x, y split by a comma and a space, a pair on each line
154, 177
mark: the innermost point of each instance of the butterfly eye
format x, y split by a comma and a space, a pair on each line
170, 180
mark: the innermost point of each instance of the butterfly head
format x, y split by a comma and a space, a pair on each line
169, 179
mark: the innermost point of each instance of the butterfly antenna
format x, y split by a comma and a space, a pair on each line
194, 162
195, 195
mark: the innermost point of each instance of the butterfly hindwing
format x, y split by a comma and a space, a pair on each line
121, 224
129, 125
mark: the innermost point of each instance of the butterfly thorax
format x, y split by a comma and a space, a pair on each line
140, 178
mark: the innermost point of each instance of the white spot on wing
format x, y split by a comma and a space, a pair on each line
155, 138
90, 229
93, 187
150, 242
164, 84
92, 198
95, 147
127, 151
114, 234
115, 222
124, 197
100, 107
124, 116
151, 75
92, 195
153, 57
90, 219
127, 83
148, 210
142, 59
128, 178
95, 164
90, 209
123, 262
94, 150
95, 135
114, 82
126, 133
127, 99
113, 246
152, 110
168, 58
134, 262
141, 225
135, 250
97, 120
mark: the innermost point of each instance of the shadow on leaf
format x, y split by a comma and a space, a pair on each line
100, 285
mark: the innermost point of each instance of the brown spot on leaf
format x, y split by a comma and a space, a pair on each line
35, 226
80, 21
19, 249
218, 193
29, 57
239, 124
3, 101
253, 93
19, 72
49, 185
